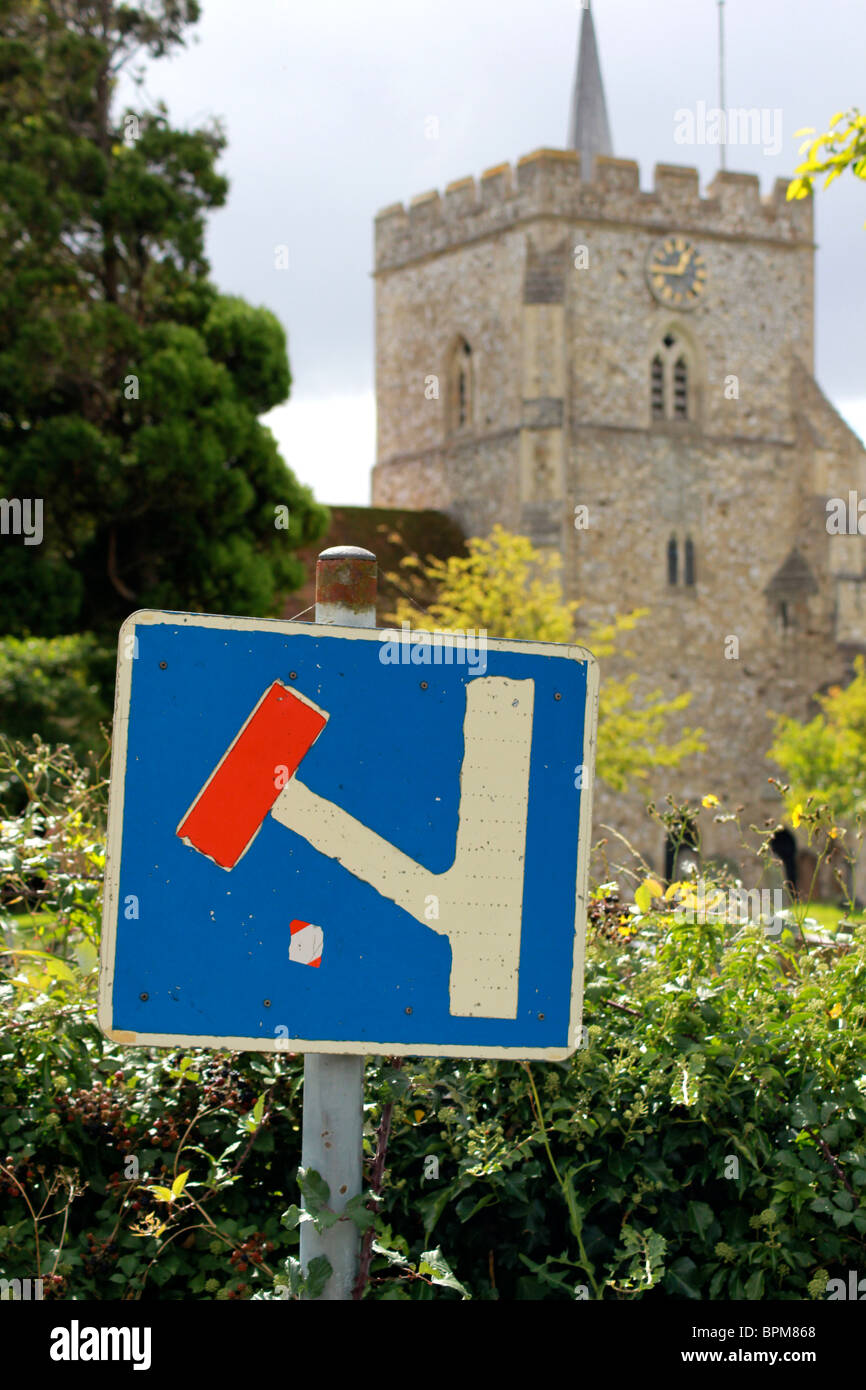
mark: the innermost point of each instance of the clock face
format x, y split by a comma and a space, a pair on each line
676, 273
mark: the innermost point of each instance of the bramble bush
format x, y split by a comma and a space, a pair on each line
706, 1141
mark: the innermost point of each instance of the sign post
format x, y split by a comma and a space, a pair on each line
331, 839
332, 1125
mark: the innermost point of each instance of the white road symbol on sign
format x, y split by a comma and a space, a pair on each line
481, 895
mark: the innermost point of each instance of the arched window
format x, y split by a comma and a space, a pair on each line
690, 562
673, 561
681, 389
657, 388
461, 386
671, 396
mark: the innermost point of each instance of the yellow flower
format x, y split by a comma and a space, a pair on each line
797, 814
836, 1010
710, 801
833, 832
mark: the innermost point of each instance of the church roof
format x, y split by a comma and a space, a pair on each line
588, 127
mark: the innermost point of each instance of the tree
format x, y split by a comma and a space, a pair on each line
841, 147
825, 758
130, 389
507, 588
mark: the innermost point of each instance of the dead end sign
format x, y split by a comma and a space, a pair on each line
342, 839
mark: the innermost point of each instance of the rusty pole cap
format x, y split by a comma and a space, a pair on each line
346, 586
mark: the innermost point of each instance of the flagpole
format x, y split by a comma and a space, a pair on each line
722, 107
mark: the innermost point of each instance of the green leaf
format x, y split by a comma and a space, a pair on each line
394, 1257
179, 1183
291, 1218
842, 1218
682, 1278
318, 1273
432, 1205
643, 898
700, 1217
433, 1263
356, 1210
315, 1190
755, 1285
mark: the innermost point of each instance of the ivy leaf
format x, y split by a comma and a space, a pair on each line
682, 1278
700, 1218
755, 1286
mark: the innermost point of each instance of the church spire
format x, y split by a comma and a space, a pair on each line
588, 128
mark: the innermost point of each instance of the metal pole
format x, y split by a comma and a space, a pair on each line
722, 78
332, 1132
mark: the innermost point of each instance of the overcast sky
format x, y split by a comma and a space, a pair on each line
326, 105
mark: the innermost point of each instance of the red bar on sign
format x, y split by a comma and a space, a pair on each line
228, 812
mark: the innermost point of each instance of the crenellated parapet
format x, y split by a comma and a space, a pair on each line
548, 184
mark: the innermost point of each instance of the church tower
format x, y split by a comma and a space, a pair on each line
625, 376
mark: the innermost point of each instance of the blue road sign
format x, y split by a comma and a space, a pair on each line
346, 839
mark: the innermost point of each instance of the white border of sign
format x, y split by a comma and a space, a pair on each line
318, 631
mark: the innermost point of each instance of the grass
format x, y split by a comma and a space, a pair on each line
828, 915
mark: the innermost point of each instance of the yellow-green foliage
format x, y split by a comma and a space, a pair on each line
825, 758
511, 590
841, 147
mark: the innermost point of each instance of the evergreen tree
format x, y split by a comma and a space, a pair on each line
130, 389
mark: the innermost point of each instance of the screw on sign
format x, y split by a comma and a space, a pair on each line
396, 867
